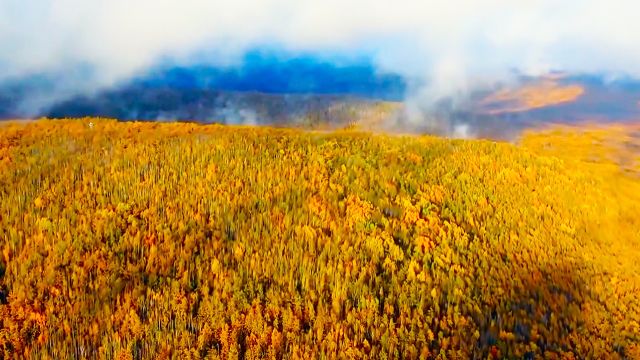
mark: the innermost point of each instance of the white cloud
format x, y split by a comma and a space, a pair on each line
454, 45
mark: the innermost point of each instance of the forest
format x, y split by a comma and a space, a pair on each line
147, 240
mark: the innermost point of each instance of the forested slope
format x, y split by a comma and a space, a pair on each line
147, 240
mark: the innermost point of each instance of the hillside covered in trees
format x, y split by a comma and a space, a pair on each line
185, 241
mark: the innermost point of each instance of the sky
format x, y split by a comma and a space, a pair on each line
443, 49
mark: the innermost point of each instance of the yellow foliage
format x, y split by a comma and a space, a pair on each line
166, 240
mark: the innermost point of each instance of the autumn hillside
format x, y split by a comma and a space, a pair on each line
183, 241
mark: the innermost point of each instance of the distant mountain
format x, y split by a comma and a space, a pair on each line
275, 74
264, 88
204, 105
270, 88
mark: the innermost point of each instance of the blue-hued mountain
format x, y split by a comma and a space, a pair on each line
271, 86
279, 74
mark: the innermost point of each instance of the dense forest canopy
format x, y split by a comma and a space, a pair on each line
152, 240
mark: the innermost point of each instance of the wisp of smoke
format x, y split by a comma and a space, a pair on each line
446, 49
